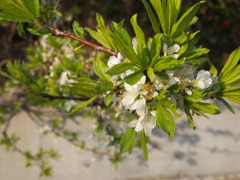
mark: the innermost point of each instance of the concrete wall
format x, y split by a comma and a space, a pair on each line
212, 150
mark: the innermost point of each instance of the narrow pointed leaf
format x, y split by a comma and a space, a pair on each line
120, 68
152, 17
80, 106
133, 78
165, 119
128, 140
143, 141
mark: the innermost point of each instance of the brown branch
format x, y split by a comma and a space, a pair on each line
57, 32
51, 97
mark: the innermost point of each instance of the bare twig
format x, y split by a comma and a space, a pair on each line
57, 32
51, 97
5, 134
2, 63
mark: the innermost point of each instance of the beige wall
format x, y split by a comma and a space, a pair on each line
213, 149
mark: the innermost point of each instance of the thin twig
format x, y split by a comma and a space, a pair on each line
2, 63
98, 102
57, 32
5, 134
51, 97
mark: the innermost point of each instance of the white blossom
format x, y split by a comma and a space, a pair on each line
146, 123
186, 74
64, 80
113, 60
203, 80
171, 51
161, 83
136, 96
132, 92
69, 104
188, 91
134, 43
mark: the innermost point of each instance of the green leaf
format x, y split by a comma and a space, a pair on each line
231, 63
226, 104
80, 106
165, 119
35, 30
155, 48
133, 78
106, 32
181, 39
195, 97
103, 34
82, 86
185, 20
207, 107
100, 69
98, 37
235, 99
120, 68
193, 54
152, 17
167, 63
189, 116
103, 86
231, 78
20, 10
139, 34
6, 75
143, 141
162, 14
2, 20
213, 70
33, 6
198, 112
151, 75
108, 99
231, 93
128, 140
230, 72
78, 30
123, 43
19, 71
12, 17
20, 29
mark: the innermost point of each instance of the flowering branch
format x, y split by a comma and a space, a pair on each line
57, 32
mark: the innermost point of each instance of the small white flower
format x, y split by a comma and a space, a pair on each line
186, 74
64, 80
69, 104
113, 60
132, 92
188, 91
171, 51
140, 106
203, 80
160, 83
214, 79
134, 43
146, 123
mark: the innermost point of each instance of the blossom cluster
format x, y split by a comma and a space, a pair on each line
140, 98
